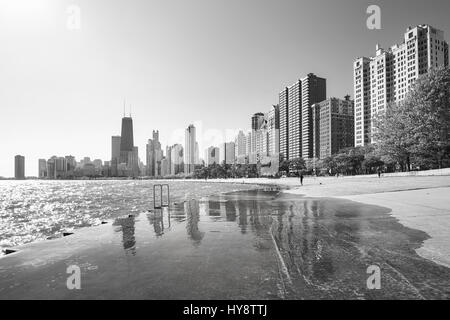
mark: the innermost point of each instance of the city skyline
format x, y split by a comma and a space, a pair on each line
44, 123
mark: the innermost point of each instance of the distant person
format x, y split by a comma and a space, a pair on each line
301, 178
379, 173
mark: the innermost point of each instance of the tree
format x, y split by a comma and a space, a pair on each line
329, 164
284, 166
298, 164
416, 132
393, 134
372, 163
428, 110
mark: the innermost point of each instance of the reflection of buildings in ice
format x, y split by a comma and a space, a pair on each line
128, 230
230, 210
192, 210
204, 208
313, 233
156, 219
245, 212
255, 224
213, 208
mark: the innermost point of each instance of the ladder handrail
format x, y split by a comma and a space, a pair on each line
161, 197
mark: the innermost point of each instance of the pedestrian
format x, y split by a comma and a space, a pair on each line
379, 173
301, 178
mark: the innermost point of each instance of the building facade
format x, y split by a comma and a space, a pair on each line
284, 123
19, 167
127, 140
212, 156
314, 90
42, 169
189, 150
177, 162
333, 126
392, 73
227, 153
273, 131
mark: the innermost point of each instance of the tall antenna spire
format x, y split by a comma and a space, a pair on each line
130, 110
124, 108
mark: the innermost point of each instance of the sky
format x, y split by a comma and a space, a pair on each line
212, 63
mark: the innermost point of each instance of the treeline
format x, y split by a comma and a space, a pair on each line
225, 171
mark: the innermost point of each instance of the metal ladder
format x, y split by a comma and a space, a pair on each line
161, 202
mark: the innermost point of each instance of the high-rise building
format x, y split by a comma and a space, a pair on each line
115, 147
189, 150
284, 123
133, 162
165, 171
295, 120
314, 89
273, 131
295, 116
241, 144
51, 167
19, 167
42, 169
258, 121
159, 154
71, 164
197, 154
169, 159
60, 168
126, 141
241, 148
226, 153
362, 101
154, 155
212, 156
333, 126
248, 140
391, 73
177, 156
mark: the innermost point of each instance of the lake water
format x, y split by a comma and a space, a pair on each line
36, 210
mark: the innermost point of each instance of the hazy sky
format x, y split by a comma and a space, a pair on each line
214, 62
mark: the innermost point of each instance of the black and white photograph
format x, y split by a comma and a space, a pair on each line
224, 155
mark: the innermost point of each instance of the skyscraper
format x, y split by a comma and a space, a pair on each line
154, 155
362, 101
42, 169
19, 167
241, 147
273, 131
115, 147
259, 122
284, 123
212, 156
189, 150
169, 159
333, 126
226, 153
295, 120
314, 90
295, 116
391, 74
126, 141
176, 156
